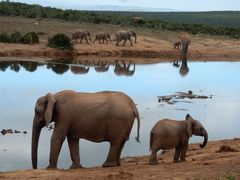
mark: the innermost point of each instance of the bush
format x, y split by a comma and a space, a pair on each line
15, 37
30, 38
4, 37
60, 41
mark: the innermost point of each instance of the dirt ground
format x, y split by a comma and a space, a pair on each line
152, 45
218, 160
146, 50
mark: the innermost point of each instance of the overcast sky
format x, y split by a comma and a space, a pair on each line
182, 5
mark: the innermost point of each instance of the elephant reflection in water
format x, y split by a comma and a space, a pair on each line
82, 68
58, 68
184, 69
124, 69
185, 42
101, 66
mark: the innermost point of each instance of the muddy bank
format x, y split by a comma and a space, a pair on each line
218, 160
146, 50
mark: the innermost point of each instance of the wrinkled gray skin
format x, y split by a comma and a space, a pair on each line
123, 69
168, 134
81, 35
102, 36
102, 116
123, 36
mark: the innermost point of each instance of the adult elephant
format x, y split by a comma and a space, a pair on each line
167, 134
123, 36
81, 35
101, 116
102, 36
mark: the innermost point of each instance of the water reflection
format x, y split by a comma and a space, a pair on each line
121, 68
184, 69
101, 66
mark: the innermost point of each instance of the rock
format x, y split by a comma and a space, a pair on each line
226, 148
7, 131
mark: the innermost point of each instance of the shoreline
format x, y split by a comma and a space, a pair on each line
141, 53
209, 162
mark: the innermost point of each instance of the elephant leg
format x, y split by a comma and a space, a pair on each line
74, 152
124, 42
86, 40
56, 144
111, 160
154, 149
177, 154
119, 152
130, 42
183, 153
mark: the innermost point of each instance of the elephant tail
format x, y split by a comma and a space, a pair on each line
138, 122
151, 141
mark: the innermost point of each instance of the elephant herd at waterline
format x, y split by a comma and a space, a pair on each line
104, 36
105, 116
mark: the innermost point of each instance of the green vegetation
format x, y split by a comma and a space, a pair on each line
4, 37
16, 37
213, 23
30, 38
60, 41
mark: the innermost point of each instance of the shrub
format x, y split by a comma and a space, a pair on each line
60, 41
15, 37
4, 37
30, 38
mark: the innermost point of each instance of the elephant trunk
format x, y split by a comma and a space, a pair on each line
205, 134
36, 130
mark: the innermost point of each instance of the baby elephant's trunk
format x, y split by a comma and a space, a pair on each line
205, 134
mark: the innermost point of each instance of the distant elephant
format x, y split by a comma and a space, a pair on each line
177, 44
79, 69
123, 69
102, 66
123, 35
167, 134
101, 36
81, 35
133, 34
101, 116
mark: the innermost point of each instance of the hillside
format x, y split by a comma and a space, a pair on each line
213, 23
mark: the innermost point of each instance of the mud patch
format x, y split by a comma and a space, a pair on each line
226, 148
120, 175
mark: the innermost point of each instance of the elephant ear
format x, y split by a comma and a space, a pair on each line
189, 121
50, 101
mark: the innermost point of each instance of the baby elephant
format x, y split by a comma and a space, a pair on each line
167, 134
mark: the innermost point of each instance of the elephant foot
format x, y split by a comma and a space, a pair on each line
75, 166
153, 162
51, 167
110, 164
176, 161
